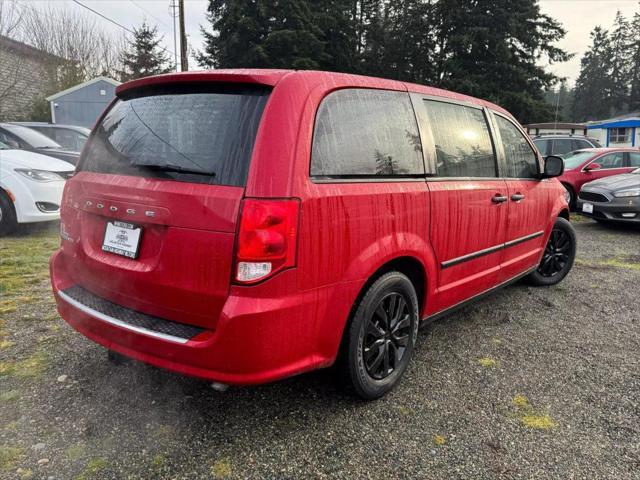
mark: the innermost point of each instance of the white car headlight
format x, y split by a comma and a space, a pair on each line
632, 192
39, 175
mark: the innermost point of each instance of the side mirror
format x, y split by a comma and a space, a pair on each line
592, 166
553, 166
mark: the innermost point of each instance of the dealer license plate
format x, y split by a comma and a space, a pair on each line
122, 238
587, 208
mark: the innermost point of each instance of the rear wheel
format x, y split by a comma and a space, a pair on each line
558, 256
381, 337
8, 221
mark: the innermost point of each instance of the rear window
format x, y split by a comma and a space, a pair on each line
182, 133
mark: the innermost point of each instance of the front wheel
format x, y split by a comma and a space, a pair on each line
381, 336
8, 220
558, 256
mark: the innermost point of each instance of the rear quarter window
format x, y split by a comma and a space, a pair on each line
366, 133
184, 133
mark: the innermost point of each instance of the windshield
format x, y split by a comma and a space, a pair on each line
637, 170
33, 138
577, 159
180, 133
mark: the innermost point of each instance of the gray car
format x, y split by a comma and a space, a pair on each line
612, 199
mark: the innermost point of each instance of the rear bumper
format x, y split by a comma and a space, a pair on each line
257, 339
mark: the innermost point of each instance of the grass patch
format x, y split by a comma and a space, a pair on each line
9, 396
24, 260
30, 367
616, 262
9, 456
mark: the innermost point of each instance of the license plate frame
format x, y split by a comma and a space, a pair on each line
122, 238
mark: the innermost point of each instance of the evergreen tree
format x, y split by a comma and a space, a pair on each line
634, 62
144, 56
487, 48
592, 90
491, 49
620, 65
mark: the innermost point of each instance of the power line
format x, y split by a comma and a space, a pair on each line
103, 16
148, 12
115, 23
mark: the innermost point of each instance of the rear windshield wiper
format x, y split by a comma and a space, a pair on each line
175, 168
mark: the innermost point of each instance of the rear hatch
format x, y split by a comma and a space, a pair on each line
150, 217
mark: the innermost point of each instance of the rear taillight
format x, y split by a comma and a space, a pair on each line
266, 239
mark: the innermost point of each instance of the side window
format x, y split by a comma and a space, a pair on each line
580, 144
634, 159
562, 146
462, 140
519, 156
613, 160
542, 146
366, 133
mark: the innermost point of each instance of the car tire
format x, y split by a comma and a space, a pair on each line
558, 256
8, 220
377, 349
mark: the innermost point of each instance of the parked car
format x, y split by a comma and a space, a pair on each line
30, 187
248, 225
590, 164
70, 137
612, 199
561, 145
24, 138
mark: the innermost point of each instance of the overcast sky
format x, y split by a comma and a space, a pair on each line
578, 17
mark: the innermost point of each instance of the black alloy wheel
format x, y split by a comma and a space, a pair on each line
381, 335
556, 254
387, 335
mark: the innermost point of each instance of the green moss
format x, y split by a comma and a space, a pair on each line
94, 466
75, 452
158, 461
9, 396
488, 362
529, 417
221, 469
9, 456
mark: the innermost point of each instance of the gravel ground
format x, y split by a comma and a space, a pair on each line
529, 383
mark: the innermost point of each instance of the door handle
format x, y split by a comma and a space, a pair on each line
497, 198
516, 197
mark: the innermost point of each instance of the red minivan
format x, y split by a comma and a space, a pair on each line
243, 226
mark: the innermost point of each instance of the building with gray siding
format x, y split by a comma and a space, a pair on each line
82, 104
26, 76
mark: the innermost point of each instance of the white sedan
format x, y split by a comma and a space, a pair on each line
30, 187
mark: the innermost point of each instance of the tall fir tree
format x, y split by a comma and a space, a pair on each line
591, 99
634, 77
619, 64
492, 50
144, 56
486, 48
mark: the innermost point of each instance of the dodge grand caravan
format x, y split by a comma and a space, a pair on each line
243, 226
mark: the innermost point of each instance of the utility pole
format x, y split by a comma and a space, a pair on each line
173, 6
184, 61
